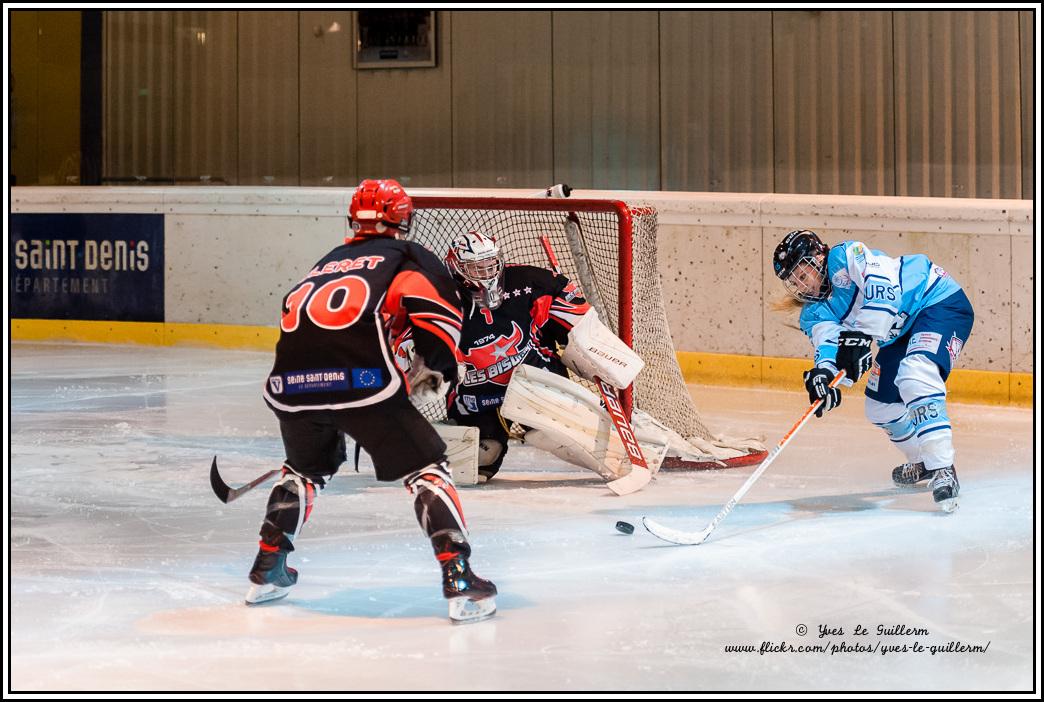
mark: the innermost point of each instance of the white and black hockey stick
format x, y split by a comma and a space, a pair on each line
684, 538
225, 493
640, 474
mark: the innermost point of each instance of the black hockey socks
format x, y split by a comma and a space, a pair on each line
289, 506
435, 500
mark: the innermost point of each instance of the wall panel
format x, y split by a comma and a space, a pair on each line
958, 113
502, 126
268, 88
832, 74
606, 99
404, 116
205, 104
716, 101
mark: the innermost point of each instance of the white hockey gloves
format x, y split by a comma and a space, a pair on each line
595, 351
426, 386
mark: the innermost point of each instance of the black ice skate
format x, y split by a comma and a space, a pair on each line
945, 488
271, 577
909, 474
471, 598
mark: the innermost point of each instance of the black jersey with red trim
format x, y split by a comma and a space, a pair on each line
539, 308
333, 350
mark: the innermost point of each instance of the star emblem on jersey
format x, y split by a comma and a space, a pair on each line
495, 360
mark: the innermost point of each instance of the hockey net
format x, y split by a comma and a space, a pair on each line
609, 250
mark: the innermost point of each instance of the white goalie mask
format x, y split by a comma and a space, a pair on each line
475, 262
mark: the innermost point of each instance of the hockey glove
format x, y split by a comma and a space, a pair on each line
426, 386
854, 355
817, 382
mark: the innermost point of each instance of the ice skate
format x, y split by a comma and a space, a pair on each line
909, 474
471, 598
945, 488
271, 577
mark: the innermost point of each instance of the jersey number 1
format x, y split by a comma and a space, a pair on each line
337, 304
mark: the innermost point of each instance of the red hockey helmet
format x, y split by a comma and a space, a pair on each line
381, 208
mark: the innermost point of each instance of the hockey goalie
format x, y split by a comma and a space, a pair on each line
524, 329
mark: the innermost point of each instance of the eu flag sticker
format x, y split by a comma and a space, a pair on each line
367, 378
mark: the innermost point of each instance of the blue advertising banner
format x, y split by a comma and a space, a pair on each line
86, 266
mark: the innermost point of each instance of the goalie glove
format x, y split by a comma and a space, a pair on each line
427, 386
594, 351
817, 382
854, 355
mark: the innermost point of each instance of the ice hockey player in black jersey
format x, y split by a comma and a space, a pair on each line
334, 375
513, 314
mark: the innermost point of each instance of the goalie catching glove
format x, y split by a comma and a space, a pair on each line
426, 385
594, 351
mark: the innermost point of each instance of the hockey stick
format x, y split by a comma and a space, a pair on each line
225, 493
683, 538
640, 474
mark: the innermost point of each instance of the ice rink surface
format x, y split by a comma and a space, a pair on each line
128, 574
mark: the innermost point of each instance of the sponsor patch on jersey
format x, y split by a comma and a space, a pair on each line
927, 342
570, 292
367, 378
939, 271
954, 346
873, 379
275, 382
315, 380
841, 279
858, 253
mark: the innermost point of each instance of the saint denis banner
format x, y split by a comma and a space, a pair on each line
86, 266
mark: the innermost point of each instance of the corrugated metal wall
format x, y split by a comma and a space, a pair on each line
832, 89
205, 104
849, 102
606, 108
138, 105
502, 116
958, 109
405, 127
716, 92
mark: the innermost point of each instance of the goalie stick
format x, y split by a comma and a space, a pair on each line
683, 538
640, 474
225, 493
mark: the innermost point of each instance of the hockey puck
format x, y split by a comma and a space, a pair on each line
625, 528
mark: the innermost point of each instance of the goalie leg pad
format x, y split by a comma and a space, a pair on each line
462, 452
568, 421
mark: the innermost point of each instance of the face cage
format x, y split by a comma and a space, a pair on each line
484, 278
792, 287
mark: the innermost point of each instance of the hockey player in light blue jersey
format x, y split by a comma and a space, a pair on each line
920, 318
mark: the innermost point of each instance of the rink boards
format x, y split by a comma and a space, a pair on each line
229, 254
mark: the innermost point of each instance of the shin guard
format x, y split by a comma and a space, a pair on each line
435, 500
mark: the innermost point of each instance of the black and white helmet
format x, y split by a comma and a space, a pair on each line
802, 249
475, 262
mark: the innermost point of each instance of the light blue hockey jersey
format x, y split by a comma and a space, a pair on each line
872, 293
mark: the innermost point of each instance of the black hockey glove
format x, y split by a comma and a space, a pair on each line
817, 382
854, 355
